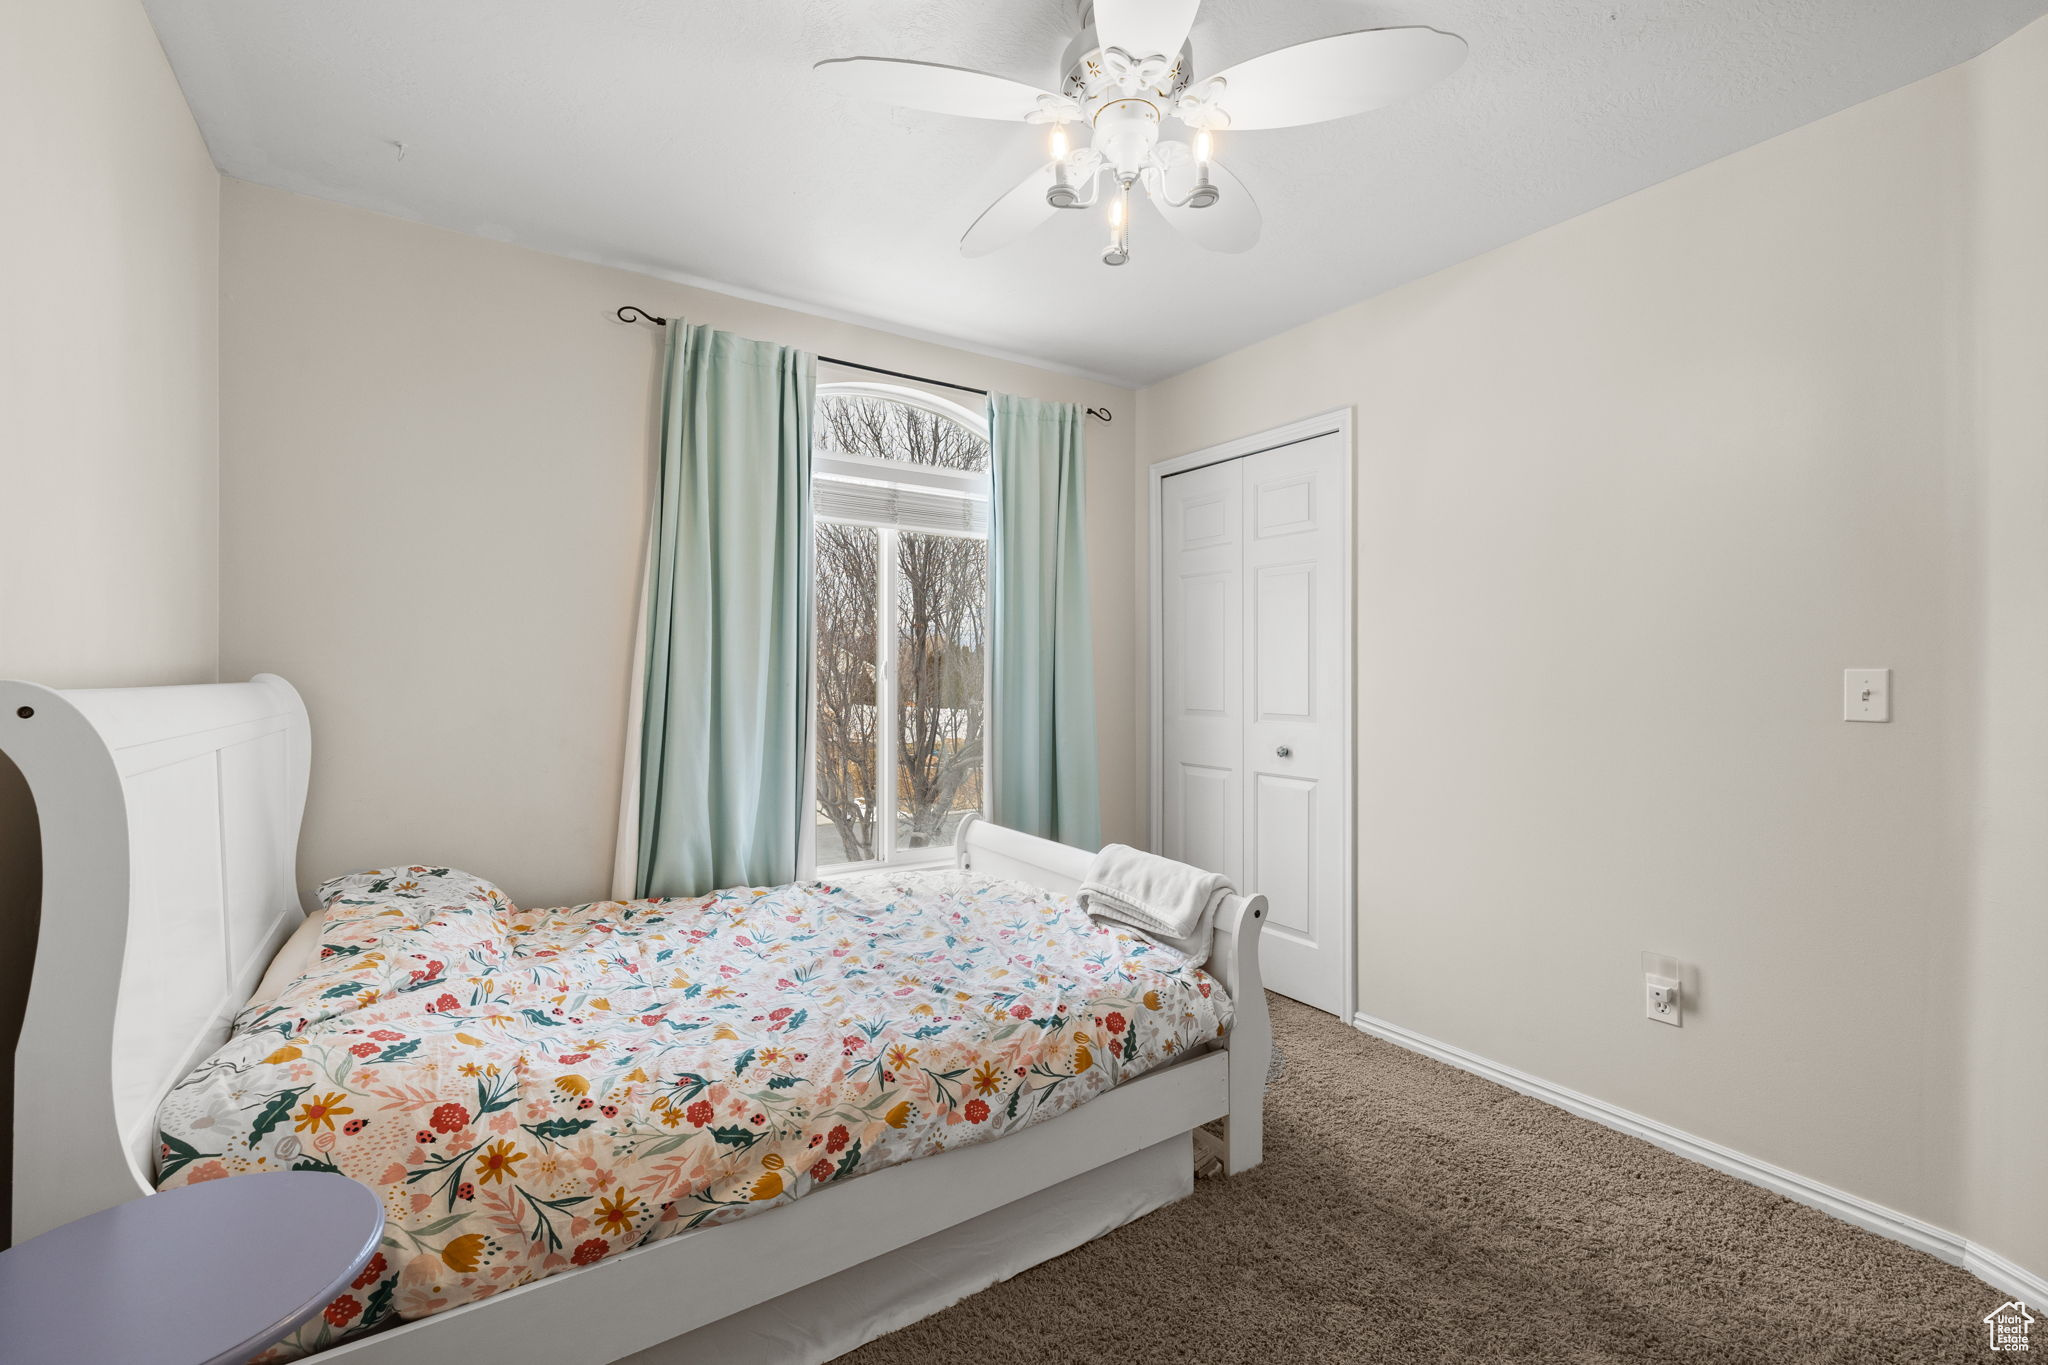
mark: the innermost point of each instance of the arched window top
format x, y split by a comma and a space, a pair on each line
866, 421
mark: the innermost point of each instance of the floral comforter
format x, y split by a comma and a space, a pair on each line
533, 1090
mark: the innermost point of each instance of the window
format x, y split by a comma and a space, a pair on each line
900, 493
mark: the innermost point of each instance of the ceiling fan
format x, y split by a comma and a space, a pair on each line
1127, 73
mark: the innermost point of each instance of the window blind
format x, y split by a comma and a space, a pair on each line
903, 507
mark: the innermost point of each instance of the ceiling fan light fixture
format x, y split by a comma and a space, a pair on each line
1128, 71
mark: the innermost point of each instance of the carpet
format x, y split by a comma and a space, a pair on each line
1408, 1212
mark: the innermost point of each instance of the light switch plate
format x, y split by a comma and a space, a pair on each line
1866, 694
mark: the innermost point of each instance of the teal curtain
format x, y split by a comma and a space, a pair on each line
726, 731
1042, 670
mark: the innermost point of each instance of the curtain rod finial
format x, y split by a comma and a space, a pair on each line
1102, 413
641, 315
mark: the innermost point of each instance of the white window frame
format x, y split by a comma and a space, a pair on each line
960, 482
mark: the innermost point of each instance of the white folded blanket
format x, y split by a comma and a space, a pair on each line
1171, 902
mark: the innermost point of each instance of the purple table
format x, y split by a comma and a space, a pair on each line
205, 1274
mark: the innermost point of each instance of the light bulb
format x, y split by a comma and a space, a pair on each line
1119, 249
1061, 193
1204, 193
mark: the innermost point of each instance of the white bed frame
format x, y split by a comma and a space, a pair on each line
170, 821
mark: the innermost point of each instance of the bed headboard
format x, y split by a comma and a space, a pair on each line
170, 828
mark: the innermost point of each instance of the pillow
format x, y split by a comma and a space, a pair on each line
419, 892
295, 957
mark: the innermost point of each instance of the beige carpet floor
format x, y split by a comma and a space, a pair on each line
1409, 1212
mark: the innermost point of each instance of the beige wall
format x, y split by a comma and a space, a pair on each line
2007, 1206
436, 455
109, 394
109, 364
1632, 493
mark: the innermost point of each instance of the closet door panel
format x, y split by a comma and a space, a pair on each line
1296, 557
1255, 636
1201, 646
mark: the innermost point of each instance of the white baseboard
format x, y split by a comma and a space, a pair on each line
1987, 1265
2003, 1275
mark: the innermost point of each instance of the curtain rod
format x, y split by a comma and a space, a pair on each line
1101, 413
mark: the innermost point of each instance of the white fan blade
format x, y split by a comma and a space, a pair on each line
1010, 217
927, 85
1145, 28
1230, 224
1338, 76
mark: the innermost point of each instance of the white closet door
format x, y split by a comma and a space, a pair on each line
1202, 636
1255, 669
1297, 643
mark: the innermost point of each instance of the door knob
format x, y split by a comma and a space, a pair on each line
1283, 751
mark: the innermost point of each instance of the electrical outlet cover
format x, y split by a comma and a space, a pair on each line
1662, 998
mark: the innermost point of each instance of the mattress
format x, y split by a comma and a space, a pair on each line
534, 1090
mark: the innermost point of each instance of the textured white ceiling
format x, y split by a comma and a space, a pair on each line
687, 138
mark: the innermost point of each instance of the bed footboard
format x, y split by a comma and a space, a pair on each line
1233, 960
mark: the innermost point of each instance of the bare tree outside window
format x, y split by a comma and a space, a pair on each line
885, 430
941, 638
939, 643
848, 592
